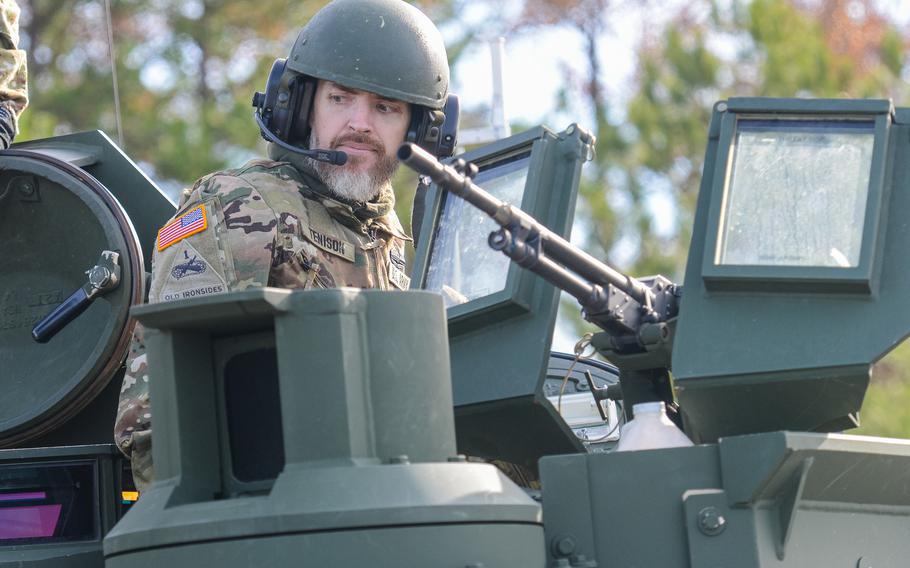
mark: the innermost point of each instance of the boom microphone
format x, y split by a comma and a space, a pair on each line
334, 157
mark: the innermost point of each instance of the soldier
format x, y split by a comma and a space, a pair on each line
13, 73
362, 77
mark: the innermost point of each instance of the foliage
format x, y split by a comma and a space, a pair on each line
186, 71
886, 409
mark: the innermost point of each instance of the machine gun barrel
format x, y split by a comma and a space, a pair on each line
508, 217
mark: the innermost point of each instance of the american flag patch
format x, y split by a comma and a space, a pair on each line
190, 223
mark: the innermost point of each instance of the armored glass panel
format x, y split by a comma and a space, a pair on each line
462, 266
796, 193
48, 502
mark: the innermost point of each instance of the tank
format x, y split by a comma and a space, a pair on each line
434, 427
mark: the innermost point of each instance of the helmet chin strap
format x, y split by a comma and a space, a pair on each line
334, 157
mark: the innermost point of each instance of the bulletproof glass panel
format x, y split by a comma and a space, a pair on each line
48, 502
253, 412
497, 309
462, 266
796, 193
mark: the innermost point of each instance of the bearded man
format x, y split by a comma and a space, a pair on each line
362, 77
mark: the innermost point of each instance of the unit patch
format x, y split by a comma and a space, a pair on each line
191, 267
192, 222
190, 276
332, 244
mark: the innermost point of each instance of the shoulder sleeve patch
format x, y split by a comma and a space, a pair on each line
192, 222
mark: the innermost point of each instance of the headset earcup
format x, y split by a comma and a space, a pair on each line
417, 126
305, 91
435, 131
270, 99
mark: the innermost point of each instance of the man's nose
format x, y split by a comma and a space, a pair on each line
360, 119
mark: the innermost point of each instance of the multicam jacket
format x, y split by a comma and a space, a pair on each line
266, 223
13, 71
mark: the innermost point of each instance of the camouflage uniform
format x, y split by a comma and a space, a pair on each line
267, 223
13, 74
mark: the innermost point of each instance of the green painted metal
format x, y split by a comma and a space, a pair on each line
147, 207
861, 279
773, 499
369, 472
761, 348
62, 202
501, 410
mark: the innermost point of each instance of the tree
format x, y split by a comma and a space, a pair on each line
186, 71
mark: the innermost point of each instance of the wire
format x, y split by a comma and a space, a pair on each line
110, 49
580, 347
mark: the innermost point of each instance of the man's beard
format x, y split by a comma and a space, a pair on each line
349, 183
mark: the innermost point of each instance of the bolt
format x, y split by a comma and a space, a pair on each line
99, 276
402, 459
863, 562
721, 107
711, 522
460, 458
563, 545
26, 189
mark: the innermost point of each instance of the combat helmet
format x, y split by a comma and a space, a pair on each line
387, 47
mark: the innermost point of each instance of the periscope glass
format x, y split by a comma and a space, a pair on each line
796, 193
462, 266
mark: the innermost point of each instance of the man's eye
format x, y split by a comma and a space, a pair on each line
386, 108
337, 98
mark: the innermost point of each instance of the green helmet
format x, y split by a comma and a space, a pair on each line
387, 47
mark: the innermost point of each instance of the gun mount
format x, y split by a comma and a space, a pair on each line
637, 315
618, 303
789, 242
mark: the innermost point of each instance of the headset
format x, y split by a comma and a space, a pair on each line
283, 115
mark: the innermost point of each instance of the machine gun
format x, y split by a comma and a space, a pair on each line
637, 315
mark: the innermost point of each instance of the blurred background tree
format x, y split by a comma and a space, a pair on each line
186, 70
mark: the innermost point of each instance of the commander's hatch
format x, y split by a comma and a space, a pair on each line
68, 205
501, 316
